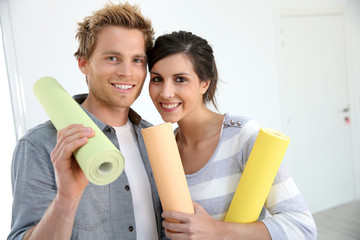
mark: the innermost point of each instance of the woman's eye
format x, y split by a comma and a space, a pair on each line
156, 79
180, 80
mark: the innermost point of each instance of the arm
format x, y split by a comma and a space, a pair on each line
201, 225
286, 217
290, 217
285, 213
58, 219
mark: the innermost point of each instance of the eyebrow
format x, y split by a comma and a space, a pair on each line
120, 54
179, 74
176, 74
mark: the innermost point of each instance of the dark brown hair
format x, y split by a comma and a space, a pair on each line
197, 49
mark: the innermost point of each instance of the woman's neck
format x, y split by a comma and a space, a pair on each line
197, 139
200, 126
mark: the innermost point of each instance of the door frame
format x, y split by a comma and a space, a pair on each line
15, 84
353, 94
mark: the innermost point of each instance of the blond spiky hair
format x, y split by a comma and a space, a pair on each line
124, 15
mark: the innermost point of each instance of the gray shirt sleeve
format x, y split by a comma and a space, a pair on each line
33, 184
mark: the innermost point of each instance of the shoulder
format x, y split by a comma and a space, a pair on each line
32, 151
137, 120
46, 129
145, 124
43, 137
242, 125
239, 131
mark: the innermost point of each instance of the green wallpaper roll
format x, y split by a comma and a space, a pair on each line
100, 160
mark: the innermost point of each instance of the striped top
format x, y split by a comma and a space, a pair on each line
285, 213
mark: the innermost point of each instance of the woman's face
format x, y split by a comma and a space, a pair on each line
175, 88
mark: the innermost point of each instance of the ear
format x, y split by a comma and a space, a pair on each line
82, 63
204, 85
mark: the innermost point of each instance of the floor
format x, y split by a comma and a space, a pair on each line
339, 223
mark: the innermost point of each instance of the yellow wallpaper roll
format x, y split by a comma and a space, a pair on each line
167, 168
258, 176
100, 160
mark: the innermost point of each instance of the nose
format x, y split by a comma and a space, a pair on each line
168, 90
124, 69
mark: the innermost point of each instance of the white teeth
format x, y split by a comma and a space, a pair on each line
123, 86
169, 106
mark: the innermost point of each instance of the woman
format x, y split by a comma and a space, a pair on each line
214, 149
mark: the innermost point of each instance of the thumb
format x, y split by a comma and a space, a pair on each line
198, 208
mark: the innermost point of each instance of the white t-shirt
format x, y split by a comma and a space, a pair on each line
145, 220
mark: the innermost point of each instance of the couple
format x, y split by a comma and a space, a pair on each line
54, 200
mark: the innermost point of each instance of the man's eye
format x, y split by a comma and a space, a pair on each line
138, 60
113, 59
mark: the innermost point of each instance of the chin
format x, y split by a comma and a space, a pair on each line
169, 119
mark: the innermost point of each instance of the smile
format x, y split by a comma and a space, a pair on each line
170, 106
123, 86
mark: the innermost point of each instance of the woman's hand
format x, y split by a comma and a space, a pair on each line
199, 225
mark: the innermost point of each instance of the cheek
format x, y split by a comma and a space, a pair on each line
101, 71
140, 71
191, 93
152, 91
144, 73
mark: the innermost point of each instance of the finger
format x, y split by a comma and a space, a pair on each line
172, 226
64, 151
198, 208
74, 131
72, 127
73, 137
176, 235
174, 216
69, 140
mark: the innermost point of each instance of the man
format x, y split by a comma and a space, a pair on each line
52, 197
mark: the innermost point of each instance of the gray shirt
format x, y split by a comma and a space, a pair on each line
104, 212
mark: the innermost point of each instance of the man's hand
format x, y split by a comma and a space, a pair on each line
70, 179
58, 220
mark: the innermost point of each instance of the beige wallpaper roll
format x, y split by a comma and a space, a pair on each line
167, 168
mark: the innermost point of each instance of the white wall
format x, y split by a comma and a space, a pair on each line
242, 33
46, 40
7, 143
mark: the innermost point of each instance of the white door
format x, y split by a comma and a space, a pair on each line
313, 80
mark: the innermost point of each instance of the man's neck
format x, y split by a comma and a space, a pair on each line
114, 116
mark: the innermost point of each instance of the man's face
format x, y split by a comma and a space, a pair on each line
116, 70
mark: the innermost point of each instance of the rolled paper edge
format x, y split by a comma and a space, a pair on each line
103, 168
274, 133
